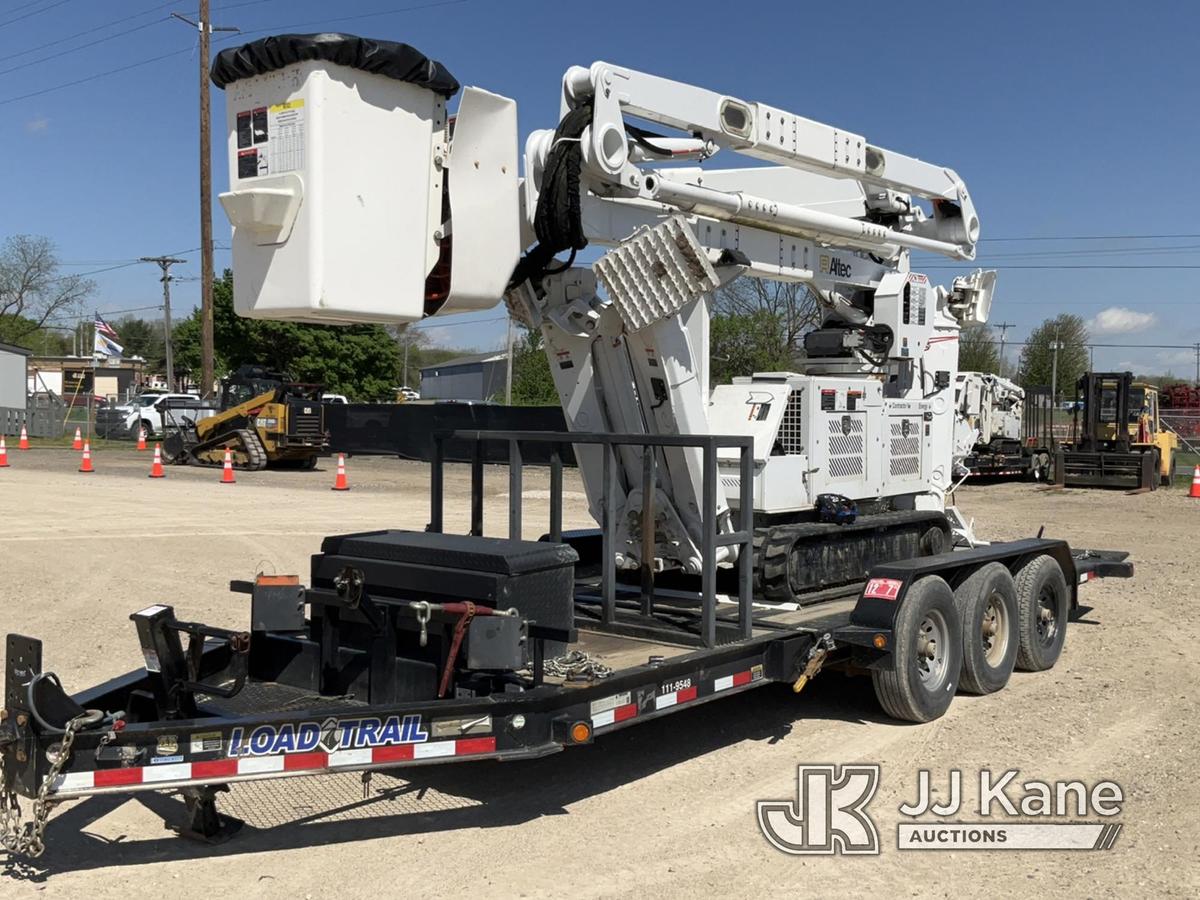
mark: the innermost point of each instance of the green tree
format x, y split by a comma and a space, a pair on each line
748, 343
1037, 357
360, 361
533, 385
142, 338
977, 350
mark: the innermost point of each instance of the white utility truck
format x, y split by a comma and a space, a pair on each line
996, 431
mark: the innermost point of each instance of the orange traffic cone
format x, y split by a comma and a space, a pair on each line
3, 454
77, 444
85, 464
141, 444
340, 483
156, 467
1195, 491
227, 473
23, 443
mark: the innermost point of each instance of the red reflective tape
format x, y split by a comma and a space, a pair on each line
474, 745
398, 753
740, 678
293, 761
628, 711
115, 777
217, 768
686, 694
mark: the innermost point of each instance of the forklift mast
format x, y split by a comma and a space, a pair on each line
1105, 398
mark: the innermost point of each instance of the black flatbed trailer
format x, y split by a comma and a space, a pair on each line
1011, 458
373, 667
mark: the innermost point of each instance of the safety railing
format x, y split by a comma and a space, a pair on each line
710, 539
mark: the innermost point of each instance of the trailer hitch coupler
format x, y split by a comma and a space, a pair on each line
816, 658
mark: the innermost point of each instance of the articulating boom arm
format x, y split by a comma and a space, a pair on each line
775, 135
837, 215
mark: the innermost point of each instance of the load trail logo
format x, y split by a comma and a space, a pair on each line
328, 736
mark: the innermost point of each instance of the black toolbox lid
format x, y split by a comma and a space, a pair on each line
453, 551
388, 58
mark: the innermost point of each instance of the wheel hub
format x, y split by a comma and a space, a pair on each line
994, 630
930, 654
1047, 618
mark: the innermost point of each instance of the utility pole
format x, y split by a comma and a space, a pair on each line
205, 28
1198, 365
165, 263
1003, 326
1055, 345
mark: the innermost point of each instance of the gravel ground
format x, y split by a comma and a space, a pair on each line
667, 808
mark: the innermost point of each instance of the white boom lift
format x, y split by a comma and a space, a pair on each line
989, 412
364, 201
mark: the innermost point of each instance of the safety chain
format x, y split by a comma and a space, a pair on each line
27, 838
576, 665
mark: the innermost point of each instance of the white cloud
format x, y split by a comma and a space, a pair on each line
36, 125
1118, 320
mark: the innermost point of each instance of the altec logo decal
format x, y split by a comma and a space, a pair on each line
329, 736
831, 265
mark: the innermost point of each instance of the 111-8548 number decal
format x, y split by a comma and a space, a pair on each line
672, 686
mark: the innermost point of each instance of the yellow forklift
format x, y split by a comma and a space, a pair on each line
263, 418
1117, 439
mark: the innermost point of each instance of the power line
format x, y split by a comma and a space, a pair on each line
85, 32
96, 76
1093, 237
1159, 266
1105, 251
438, 324
26, 5
87, 46
370, 15
35, 12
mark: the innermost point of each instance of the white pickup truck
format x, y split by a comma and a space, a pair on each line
139, 412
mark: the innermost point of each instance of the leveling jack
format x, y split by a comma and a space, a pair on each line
204, 822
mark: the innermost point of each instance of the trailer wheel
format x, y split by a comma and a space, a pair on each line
1042, 613
927, 654
987, 605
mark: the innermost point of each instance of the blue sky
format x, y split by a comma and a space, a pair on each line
1066, 119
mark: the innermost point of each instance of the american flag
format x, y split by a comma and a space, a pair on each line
104, 328
105, 343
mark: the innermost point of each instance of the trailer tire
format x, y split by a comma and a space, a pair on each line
1042, 606
987, 605
927, 652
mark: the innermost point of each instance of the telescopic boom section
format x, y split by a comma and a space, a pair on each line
775, 135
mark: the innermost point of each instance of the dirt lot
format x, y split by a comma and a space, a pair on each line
664, 809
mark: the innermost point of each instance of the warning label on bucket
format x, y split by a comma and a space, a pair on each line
270, 139
285, 129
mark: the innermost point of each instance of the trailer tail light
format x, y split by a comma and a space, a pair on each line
571, 731
883, 588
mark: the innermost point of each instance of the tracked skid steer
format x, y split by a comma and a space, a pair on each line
263, 419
